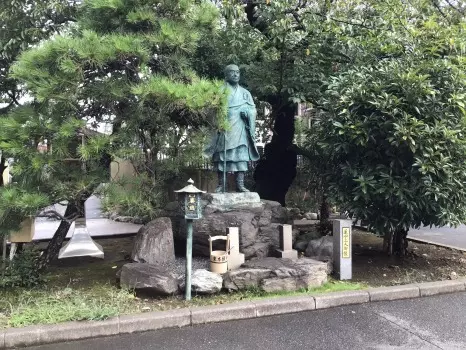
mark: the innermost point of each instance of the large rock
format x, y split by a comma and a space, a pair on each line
311, 216
274, 274
149, 278
301, 246
320, 249
154, 243
204, 282
257, 220
294, 214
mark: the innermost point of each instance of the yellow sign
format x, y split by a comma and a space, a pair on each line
345, 244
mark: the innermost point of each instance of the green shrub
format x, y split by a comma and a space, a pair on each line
136, 197
22, 270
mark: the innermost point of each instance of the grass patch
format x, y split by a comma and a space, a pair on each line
42, 306
23, 307
255, 293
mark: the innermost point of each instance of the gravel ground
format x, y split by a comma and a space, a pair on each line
178, 266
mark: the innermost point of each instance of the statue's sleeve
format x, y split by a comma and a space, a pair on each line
252, 114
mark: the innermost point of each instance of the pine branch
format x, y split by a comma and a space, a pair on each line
13, 97
435, 3
56, 215
454, 7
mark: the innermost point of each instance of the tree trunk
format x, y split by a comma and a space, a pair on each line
54, 246
276, 169
2, 169
396, 242
325, 226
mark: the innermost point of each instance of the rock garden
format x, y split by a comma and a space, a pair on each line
158, 263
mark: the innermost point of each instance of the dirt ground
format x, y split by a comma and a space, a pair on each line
86, 288
371, 266
423, 263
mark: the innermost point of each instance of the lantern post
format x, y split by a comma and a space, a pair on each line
190, 203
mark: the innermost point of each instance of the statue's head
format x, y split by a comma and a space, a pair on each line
232, 74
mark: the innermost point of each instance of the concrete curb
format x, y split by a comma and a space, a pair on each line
38, 335
394, 293
434, 288
223, 312
284, 305
334, 299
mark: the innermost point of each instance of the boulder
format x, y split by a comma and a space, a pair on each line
274, 274
320, 249
204, 282
149, 278
311, 216
301, 246
294, 213
154, 243
306, 236
257, 220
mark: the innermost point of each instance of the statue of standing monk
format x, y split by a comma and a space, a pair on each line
236, 145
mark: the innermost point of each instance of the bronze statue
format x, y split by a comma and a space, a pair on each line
232, 150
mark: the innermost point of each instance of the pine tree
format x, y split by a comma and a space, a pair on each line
127, 63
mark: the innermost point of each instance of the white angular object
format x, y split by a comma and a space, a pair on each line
285, 236
235, 258
81, 244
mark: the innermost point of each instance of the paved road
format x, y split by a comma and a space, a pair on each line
428, 323
449, 236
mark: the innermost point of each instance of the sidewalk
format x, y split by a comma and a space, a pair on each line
96, 224
445, 236
96, 227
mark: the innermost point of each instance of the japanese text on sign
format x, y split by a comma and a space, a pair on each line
345, 246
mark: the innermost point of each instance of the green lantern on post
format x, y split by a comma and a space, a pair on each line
190, 203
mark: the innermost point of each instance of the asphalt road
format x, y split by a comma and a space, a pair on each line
449, 236
427, 323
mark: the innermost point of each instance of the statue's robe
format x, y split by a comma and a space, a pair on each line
240, 146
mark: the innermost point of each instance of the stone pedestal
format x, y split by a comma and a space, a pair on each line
235, 258
224, 201
286, 243
256, 219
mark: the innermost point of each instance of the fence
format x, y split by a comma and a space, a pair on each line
200, 170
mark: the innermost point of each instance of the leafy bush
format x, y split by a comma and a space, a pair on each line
22, 270
136, 197
395, 135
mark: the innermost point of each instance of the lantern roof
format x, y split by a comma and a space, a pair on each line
190, 188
